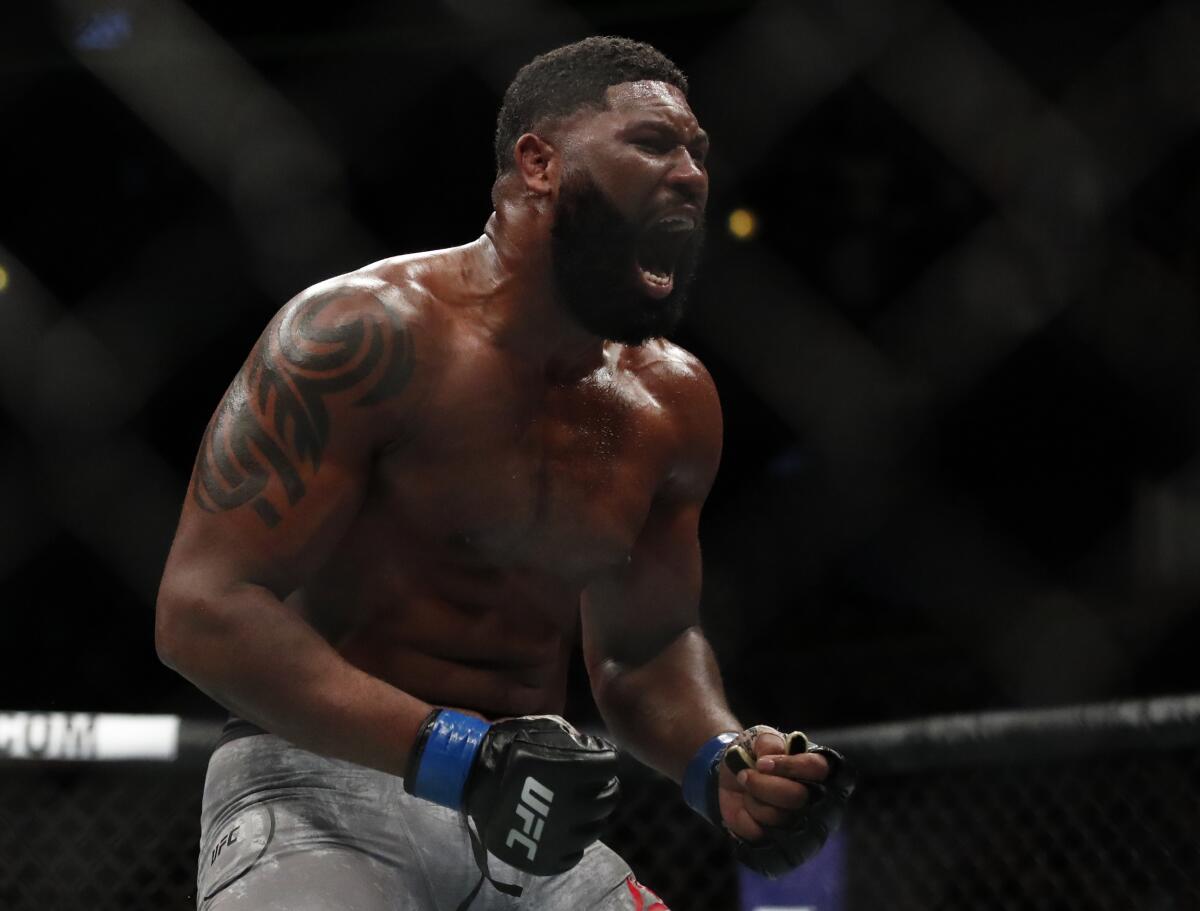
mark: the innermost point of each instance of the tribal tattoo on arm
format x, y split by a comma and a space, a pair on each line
274, 421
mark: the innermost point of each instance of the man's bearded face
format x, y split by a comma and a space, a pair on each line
621, 280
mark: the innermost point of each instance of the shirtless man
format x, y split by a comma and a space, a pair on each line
430, 477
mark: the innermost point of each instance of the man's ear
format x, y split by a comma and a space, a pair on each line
538, 163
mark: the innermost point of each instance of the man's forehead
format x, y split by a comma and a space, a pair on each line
649, 97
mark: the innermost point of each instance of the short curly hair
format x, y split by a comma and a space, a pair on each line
565, 79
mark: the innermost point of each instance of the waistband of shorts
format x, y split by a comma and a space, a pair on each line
235, 729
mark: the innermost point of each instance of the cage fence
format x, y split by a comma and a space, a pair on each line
1093, 807
1106, 832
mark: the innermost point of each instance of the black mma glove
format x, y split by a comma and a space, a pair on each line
538, 790
782, 848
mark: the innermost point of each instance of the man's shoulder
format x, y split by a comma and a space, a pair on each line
686, 398
401, 296
379, 324
669, 370
399, 284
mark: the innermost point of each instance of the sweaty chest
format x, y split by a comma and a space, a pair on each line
562, 485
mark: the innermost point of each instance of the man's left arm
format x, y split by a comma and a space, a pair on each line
652, 671
658, 688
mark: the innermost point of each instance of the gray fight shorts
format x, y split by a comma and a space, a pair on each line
283, 829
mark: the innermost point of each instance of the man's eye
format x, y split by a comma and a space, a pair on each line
652, 145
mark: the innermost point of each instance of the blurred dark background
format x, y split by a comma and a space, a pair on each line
957, 352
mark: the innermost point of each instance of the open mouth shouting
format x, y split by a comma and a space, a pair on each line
660, 247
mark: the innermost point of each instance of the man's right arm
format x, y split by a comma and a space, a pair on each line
280, 475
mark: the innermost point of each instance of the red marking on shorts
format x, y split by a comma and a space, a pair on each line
640, 893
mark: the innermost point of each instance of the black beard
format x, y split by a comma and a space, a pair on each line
594, 251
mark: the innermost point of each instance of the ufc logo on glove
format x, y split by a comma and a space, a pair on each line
505, 775
533, 809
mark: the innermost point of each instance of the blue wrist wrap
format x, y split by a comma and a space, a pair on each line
449, 751
699, 780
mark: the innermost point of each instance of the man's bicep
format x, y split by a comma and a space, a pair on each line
253, 514
632, 614
284, 462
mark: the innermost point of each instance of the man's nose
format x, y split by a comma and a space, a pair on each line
688, 176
